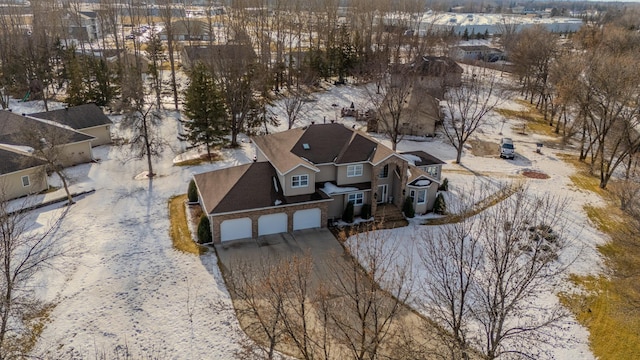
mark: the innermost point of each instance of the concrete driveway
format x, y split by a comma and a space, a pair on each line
319, 243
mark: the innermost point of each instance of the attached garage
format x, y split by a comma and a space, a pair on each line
307, 219
235, 229
272, 224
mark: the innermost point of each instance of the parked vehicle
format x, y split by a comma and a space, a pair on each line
507, 149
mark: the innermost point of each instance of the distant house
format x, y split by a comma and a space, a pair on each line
88, 119
21, 131
217, 57
188, 30
305, 177
419, 117
83, 25
436, 73
20, 175
475, 52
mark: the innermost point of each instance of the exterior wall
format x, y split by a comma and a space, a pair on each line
101, 133
397, 183
327, 173
342, 179
432, 192
255, 215
291, 191
336, 207
11, 184
76, 153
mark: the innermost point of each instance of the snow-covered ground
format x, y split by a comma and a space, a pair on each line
129, 287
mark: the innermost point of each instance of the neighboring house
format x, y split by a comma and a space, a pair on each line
419, 117
436, 73
88, 119
303, 178
19, 131
475, 52
20, 175
425, 162
188, 30
217, 57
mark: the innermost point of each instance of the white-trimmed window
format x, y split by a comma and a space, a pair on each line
422, 196
356, 198
384, 172
26, 181
412, 194
432, 170
298, 181
354, 170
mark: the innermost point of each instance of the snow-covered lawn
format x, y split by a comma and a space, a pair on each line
129, 286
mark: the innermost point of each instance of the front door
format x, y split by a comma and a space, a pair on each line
381, 195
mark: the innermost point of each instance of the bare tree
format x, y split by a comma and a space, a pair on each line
166, 14
467, 107
24, 253
487, 275
293, 106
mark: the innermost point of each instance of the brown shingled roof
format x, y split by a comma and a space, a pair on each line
277, 148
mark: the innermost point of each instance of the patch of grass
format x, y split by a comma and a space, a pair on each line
533, 119
179, 230
606, 307
203, 158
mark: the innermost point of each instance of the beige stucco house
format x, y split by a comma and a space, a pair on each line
87, 119
20, 175
24, 132
303, 178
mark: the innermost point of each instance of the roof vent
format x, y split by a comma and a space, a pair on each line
306, 146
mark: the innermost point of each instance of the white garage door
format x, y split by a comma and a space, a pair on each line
272, 224
306, 219
235, 229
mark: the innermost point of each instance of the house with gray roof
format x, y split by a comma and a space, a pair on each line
304, 178
21, 175
87, 119
21, 132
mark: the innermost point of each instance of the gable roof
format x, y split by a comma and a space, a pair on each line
245, 187
320, 144
437, 66
416, 174
425, 159
77, 117
11, 161
12, 128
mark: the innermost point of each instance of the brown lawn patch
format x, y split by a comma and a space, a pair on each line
179, 230
533, 174
484, 148
203, 158
533, 119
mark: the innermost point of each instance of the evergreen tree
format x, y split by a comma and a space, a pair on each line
465, 35
439, 206
205, 109
407, 207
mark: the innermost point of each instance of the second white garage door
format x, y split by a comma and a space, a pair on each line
306, 219
235, 229
272, 224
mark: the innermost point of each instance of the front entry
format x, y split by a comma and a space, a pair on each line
381, 195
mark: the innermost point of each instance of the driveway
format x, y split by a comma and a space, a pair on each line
319, 243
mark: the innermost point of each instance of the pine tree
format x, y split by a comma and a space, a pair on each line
205, 109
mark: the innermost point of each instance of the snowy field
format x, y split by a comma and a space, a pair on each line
129, 288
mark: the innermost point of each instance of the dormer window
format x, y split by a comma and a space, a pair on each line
298, 181
354, 170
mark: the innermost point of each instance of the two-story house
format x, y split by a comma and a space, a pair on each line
303, 178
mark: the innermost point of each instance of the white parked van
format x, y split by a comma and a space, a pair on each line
507, 149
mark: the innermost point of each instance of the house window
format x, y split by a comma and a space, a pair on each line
25, 181
384, 172
412, 194
422, 196
432, 170
354, 170
299, 181
356, 198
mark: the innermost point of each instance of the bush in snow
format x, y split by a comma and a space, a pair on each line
192, 193
347, 215
204, 230
365, 213
440, 207
407, 207
444, 186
